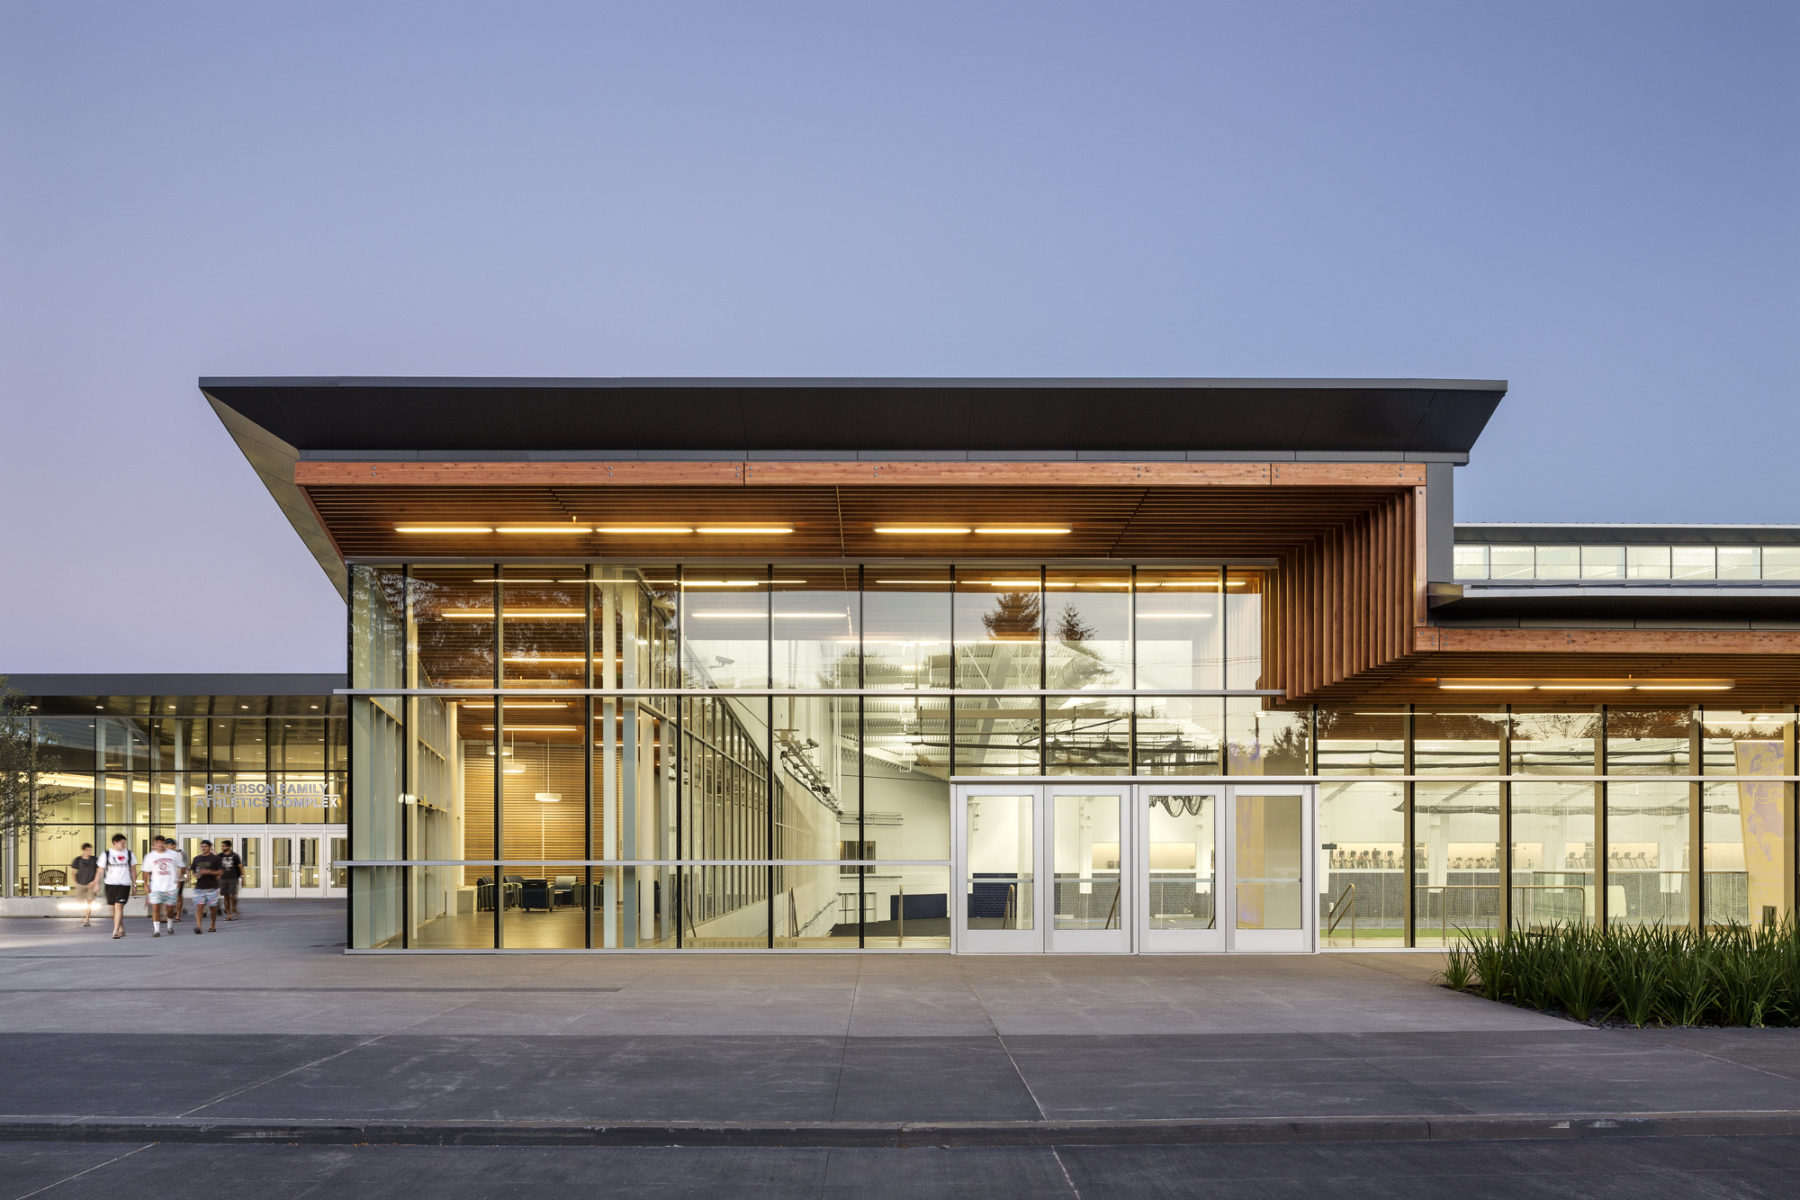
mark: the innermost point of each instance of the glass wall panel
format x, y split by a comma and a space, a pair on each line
126, 798
66, 744
906, 627
1471, 562
1747, 743
1180, 735
1740, 562
817, 626
53, 848
1552, 853
1088, 735
813, 910
1745, 823
1362, 868
1649, 741
1260, 740
543, 631
1555, 743
1647, 562
636, 623
1693, 562
997, 621
1450, 741
998, 736
376, 817
1511, 562
453, 610
725, 627
377, 627
1603, 562
908, 908
1088, 639
1778, 562
124, 744
1361, 741
375, 894
1243, 628
905, 785
1456, 861
1559, 562
1647, 852
1180, 630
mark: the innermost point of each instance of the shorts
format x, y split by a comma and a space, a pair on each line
228, 887
206, 897
118, 893
162, 897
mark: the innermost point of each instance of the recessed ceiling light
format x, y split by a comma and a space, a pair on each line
443, 529
649, 529
924, 530
542, 529
1022, 530
746, 530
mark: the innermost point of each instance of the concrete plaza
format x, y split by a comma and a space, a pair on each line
842, 1074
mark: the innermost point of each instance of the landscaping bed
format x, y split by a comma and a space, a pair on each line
1646, 975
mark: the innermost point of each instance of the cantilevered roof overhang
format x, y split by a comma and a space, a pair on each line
1134, 467
624, 418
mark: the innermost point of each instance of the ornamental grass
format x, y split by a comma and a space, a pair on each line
1638, 975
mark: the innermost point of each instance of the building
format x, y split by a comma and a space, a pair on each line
1014, 665
259, 759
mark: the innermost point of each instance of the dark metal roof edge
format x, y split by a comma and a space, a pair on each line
1622, 533
823, 382
176, 684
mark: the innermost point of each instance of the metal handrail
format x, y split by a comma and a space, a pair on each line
1444, 928
1009, 917
1334, 916
1579, 889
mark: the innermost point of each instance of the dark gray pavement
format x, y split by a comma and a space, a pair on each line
808, 1075
1628, 1169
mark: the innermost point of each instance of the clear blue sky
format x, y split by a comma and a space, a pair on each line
1595, 201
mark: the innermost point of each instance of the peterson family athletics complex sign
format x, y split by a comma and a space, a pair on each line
271, 795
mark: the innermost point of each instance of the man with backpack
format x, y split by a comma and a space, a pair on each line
118, 870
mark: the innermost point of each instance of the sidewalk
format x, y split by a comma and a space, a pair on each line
275, 1035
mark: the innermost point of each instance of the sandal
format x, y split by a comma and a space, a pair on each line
117, 936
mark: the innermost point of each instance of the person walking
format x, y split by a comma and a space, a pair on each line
231, 879
86, 871
119, 869
174, 847
207, 868
162, 874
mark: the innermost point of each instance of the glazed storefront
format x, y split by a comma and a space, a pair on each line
990, 758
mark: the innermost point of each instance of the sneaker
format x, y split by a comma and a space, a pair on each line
197, 929
156, 933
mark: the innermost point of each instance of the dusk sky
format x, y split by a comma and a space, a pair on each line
1597, 202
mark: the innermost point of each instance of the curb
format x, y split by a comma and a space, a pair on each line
907, 1134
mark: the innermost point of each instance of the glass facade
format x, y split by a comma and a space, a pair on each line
576, 756
146, 766
1502, 562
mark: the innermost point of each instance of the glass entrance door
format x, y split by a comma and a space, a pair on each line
1090, 902
1271, 869
1182, 868
1178, 844
998, 836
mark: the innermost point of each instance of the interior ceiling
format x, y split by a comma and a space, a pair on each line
834, 522
1756, 679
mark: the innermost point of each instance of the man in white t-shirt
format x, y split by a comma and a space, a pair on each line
162, 871
119, 867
